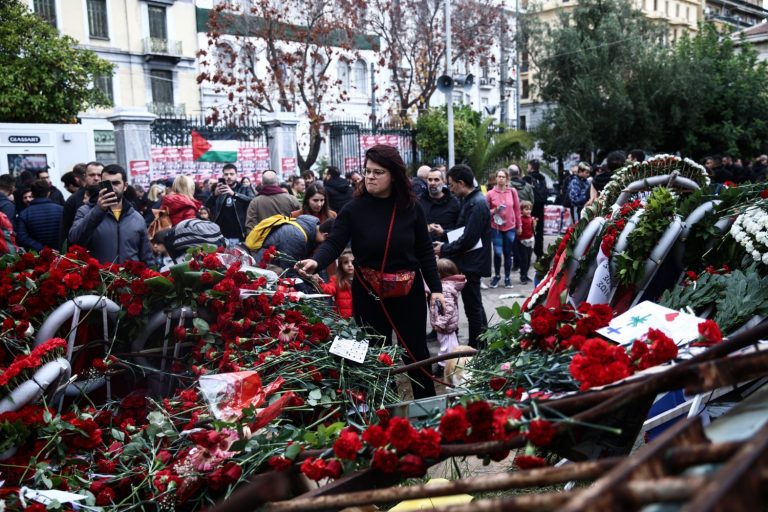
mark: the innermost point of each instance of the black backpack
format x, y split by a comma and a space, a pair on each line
193, 233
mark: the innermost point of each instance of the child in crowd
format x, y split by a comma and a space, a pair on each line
204, 213
163, 260
341, 284
446, 323
525, 240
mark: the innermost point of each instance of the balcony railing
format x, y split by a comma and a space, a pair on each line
486, 82
166, 109
157, 46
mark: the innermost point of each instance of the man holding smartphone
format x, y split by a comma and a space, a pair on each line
111, 229
228, 205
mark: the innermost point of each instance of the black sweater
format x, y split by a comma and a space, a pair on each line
365, 221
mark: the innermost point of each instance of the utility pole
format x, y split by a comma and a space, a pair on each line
517, 64
503, 70
449, 93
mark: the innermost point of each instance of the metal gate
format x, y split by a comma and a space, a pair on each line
348, 140
344, 144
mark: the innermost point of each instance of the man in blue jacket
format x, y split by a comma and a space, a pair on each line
474, 262
38, 225
111, 229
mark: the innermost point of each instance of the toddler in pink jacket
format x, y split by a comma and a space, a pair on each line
447, 324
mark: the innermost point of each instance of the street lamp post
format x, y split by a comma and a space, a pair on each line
449, 92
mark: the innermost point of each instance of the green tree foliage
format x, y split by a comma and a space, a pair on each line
432, 132
599, 66
721, 105
44, 78
493, 148
613, 83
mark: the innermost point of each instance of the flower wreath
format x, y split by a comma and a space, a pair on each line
750, 231
656, 166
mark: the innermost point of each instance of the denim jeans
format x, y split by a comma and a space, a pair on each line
503, 244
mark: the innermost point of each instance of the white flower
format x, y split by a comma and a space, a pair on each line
757, 256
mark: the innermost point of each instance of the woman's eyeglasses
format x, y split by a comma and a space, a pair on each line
374, 172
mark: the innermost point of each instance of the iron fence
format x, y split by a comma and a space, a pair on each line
169, 131
348, 140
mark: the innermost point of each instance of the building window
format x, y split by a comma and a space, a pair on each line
523, 123
361, 77
343, 73
104, 84
677, 10
162, 87
526, 92
97, 19
655, 5
157, 25
46, 9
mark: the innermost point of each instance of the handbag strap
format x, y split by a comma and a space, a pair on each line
389, 235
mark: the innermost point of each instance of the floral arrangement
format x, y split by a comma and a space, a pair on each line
656, 166
657, 215
557, 350
750, 231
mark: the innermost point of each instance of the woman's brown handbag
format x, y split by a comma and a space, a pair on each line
161, 221
389, 285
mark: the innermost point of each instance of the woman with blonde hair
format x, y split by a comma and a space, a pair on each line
181, 203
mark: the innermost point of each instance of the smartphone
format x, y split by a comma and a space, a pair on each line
439, 306
222, 181
106, 185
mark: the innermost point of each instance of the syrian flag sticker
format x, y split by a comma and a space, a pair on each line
205, 150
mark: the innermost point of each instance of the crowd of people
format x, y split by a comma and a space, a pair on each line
376, 240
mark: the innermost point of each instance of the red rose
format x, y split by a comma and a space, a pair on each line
529, 462
541, 432
412, 466
347, 445
386, 359
709, 334
384, 460
454, 424
375, 436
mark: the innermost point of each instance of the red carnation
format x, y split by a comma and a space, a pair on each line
709, 334
72, 281
313, 468
279, 463
224, 476
333, 469
454, 424
427, 444
375, 436
347, 445
529, 462
384, 460
497, 383
386, 359
541, 432
412, 466
105, 497
401, 434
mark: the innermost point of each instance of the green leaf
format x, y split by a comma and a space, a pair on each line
505, 312
201, 325
315, 394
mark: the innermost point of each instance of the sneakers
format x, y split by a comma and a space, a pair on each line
507, 282
495, 281
483, 286
525, 280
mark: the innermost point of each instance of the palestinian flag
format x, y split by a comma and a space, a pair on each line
205, 150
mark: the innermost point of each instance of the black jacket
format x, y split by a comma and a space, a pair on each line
243, 196
475, 216
443, 211
7, 206
339, 192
